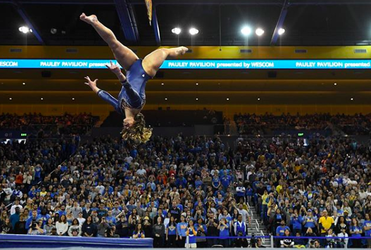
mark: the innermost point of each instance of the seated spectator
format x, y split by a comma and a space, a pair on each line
6, 227
287, 242
89, 228
342, 242
74, 229
330, 241
62, 226
49, 227
102, 227
138, 232
36, 228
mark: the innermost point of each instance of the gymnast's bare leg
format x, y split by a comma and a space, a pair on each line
125, 56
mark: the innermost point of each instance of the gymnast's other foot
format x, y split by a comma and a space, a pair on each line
88, 19
181, 50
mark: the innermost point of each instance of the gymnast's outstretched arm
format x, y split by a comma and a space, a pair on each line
101, 93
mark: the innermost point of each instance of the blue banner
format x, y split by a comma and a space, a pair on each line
191, 64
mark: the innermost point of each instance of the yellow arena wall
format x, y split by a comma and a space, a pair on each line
178, 87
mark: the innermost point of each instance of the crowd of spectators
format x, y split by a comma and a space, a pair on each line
252, 124
41, 126
171, 188
353, 125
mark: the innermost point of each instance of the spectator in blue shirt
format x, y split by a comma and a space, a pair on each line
224, 228
296, 222
280, 230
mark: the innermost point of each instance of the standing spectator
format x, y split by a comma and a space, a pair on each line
240, 231
296, 222
16, 205
224, 232
181, 230
191, 234
367, 229
76, 210
158, 233
325, 223
14, 218
171, 233
212, 229
122, 227
356, 231
201, 229
20, 226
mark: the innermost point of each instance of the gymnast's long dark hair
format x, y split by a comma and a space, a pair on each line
138, 133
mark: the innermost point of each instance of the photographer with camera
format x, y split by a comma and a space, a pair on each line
36, 228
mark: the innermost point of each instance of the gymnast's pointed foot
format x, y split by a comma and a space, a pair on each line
88, 19
181, 50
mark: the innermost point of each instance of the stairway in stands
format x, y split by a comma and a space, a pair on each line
257, 227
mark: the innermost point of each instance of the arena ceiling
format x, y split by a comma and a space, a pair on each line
306, 22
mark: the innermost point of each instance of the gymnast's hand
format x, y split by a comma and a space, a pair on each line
114, 68
92, 84
117, 71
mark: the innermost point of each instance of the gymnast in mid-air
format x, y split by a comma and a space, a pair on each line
132, 96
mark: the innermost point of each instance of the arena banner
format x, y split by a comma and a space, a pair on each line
191, 64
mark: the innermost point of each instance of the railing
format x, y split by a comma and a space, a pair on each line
275, 241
